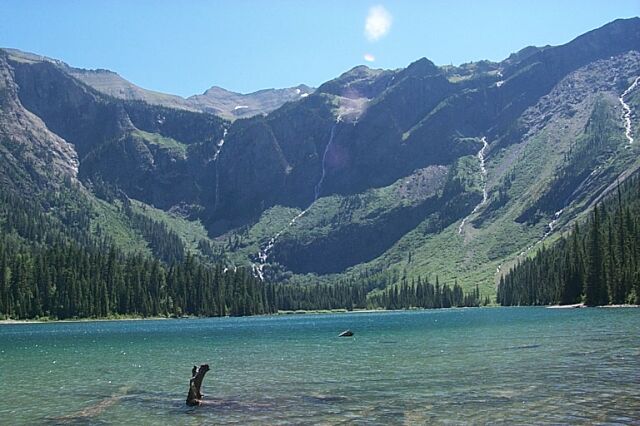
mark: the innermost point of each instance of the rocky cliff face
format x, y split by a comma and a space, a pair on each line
372, 170
153, 153
31, 155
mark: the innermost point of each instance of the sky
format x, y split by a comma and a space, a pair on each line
184, 47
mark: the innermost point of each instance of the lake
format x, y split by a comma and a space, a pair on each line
511, 365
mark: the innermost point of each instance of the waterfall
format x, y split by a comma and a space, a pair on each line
626, 115
627, 125
318, 187
263, 253
551, 225
219, 146
483, 177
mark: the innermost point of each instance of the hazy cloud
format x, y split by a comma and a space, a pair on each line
369, 57
378, 23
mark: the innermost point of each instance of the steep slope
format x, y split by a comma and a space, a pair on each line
146, 150
32, 156
47, 171
536, 180
596, 263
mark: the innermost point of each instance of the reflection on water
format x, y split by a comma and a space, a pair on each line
522, 365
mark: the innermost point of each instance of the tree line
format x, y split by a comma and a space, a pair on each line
69, 281
383, 290
421, 293
51, 266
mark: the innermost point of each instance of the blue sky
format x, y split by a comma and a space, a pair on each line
184, 47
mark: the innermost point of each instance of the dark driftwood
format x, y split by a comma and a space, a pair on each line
197, 375
346, 333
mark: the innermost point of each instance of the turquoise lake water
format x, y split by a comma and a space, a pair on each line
487, 365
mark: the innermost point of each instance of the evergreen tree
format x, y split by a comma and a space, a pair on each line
597, 262
594, 286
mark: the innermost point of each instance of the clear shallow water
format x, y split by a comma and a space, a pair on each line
511, 365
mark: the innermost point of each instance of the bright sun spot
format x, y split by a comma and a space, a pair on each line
378, 23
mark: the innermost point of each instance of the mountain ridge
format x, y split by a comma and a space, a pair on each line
215, 100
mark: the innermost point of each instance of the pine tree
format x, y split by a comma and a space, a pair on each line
595, 288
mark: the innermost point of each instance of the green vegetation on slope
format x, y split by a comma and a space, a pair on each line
167, 143
514, 219
596, 263
46, 273
108, 221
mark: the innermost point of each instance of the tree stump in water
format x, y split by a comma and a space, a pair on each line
197, 375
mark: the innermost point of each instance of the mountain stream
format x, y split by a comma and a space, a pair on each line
627, 110
483, 177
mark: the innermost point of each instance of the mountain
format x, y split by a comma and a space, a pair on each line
375, 177
216, 100
29, 151
231, 105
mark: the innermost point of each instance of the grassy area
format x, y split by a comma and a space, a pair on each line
244, 245
108, 220
191, 232
164, 142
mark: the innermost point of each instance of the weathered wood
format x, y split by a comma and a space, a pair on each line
195, 383
346, 333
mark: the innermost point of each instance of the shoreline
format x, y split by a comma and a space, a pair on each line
134, 318
295, 313
582, 305
75, 320
277, 314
